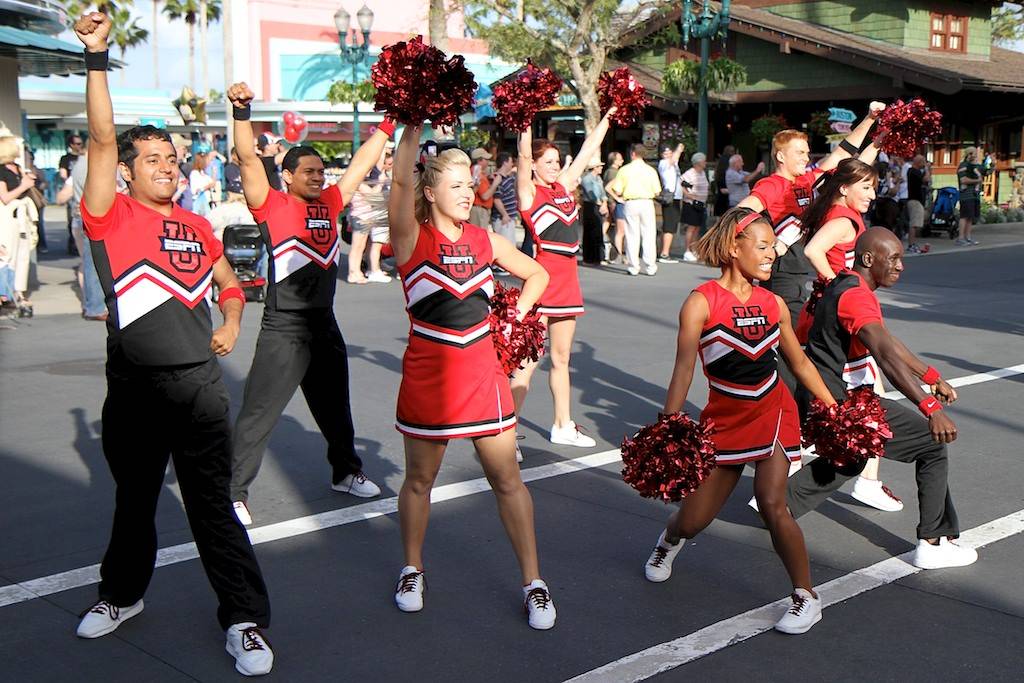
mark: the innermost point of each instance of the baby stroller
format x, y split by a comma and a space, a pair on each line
944, 214
243, 247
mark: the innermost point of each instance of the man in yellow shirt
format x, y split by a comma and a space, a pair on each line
635, 186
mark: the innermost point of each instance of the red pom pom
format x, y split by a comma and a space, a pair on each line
620, 89
670, 458
417, 82
518, 99
515, 341
907, 126
848, 433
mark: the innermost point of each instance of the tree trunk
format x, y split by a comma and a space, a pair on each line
438, 25
586, 88
191, 55
202, 49
156, 48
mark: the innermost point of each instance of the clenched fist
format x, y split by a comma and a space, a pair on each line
92, 29
875, 108
240, 95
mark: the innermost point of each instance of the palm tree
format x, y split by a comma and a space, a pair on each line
156, 49
125, 31
189, 12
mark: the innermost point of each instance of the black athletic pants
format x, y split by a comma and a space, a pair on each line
911, 442
295, 349
593, 238
151, 414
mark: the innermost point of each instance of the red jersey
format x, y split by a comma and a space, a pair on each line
840, 256
302, 238
156, 272
785, 202
554, 220
750, 408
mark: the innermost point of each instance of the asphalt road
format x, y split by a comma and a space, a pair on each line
331, 586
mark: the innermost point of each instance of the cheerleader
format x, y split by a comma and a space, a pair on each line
737, 329
452, 384
832, 224
550, 214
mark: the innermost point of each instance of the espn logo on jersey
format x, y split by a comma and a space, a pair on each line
750, 321
184, 249
457, 259
318, 222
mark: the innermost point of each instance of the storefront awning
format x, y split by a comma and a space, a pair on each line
41, 55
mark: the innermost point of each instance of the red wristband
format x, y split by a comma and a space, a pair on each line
388, 126
230, 293
929, 405
930, 376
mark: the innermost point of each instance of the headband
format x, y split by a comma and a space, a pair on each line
747, 220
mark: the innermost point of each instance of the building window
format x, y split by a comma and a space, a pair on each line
948, 33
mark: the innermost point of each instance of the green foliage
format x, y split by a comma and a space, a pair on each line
683, 76
471, 138
673, 132
1008, 23
330, 150
188, 11
344, 92
819, 124
125, 31
765, 127
215, 96
990, 213
1015, 215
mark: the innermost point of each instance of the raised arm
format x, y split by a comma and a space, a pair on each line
677, 153
525, 190
255, 185
752, 202
402, 200
366, 157
570, 177
758, 170
854, 140
101, 183
692, 317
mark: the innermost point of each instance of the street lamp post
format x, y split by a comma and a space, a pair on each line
706, 27
354, 55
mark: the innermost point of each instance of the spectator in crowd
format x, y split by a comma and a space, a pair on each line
233, 178
695, 198
93, 305
182, 148
670, 198
738, 181
200, 183
368, 216
38, 195
505, 210
18, 216
615, 209
919, 178
64, 168
969, 177
595, 208
636, 185
271, 154
721, 184
215, 169
890, 178
483, 198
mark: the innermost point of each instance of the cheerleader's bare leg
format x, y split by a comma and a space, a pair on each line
422, 463
770, 478
561, 332
702, 506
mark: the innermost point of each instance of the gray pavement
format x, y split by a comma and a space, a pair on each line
331, 589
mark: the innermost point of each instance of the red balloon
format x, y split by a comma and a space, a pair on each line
300, 122
288, 117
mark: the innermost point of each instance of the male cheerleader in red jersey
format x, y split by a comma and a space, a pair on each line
545, 190
452, 384
300, 344
848, 342
737, 329
165, 397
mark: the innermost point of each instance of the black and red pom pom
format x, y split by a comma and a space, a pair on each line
669, 459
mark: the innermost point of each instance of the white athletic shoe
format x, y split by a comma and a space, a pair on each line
659, 564
250, 648
242, 512
690, 257
358, 485
873, 493
570, 435
103, 618
409, 591
377, 276
947, 553
805, 613
540, 609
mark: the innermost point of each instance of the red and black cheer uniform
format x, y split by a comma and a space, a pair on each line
840, 257
299, 344
165, 398
847, 306
751, 409
452, 383
554, 223
784, 203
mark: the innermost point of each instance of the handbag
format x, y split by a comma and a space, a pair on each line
666, 197
698, 206
37, 197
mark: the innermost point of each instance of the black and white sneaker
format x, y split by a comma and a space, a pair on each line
104, 617
250, 648
540, 608
659, 564
357, 485
805, 613
410, 588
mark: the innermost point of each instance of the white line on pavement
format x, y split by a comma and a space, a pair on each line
667, 656
968, 380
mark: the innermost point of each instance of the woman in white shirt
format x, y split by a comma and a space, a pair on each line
200, 183
695, 198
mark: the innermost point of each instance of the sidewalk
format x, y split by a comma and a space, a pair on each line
990, 236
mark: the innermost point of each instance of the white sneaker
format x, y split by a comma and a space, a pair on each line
946, 554
250, 648
805, 613
538, 605
242, 512
409, 591
570, 435
103, 618
873, 493
690, 257
653, 270
633, 271
358, 485
377, 276
659, 564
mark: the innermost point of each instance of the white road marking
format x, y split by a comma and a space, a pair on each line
667, 656
968, 380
